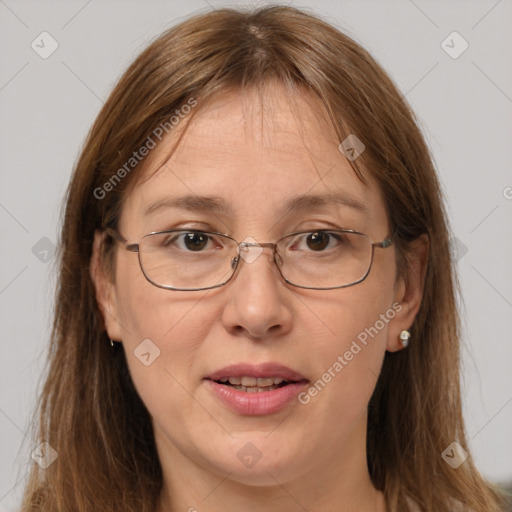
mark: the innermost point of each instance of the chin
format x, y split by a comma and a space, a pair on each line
254, 460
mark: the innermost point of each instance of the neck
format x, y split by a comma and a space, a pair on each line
338, 482
221, 494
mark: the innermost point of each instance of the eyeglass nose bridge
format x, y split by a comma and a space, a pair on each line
252, 256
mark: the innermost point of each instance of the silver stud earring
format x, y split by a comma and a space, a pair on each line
404, 338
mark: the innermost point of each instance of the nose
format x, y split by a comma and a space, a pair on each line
258, 301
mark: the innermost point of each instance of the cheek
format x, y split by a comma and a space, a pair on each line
359, 313
163, 331
146, 311
349, 346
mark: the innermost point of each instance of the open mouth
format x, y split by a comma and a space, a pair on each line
254, 384
252, 390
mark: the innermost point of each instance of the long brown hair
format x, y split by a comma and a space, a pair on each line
90, 412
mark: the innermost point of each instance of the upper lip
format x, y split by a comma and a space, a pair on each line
258, 371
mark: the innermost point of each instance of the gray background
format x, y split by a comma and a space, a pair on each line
464, 106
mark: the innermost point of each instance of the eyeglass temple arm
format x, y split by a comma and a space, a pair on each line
385, 243
120, 238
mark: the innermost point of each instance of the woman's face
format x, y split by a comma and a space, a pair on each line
254, 160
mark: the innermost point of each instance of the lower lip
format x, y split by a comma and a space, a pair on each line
259, 403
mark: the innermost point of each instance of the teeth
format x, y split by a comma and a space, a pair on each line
253, 384
248, 381
255, 389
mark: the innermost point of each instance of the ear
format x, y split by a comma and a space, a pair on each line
105, 289
409, 291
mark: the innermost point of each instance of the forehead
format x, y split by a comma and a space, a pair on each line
254, 152
269, 125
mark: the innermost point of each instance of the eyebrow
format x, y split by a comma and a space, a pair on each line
217, 204
189, 202
308, 202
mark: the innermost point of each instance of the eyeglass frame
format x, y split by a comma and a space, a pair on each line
235, 261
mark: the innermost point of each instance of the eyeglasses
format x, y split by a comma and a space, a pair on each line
193, 260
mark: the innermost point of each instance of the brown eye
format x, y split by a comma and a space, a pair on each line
195, 241
318, 241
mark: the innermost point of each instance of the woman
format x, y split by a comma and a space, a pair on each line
256, 303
